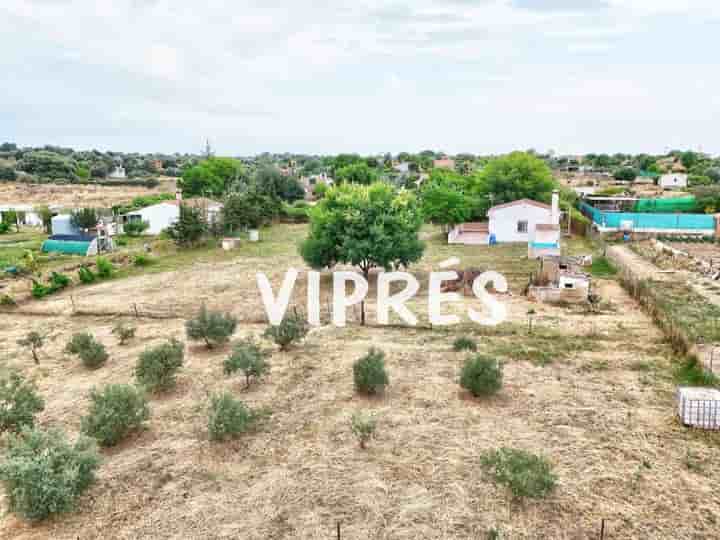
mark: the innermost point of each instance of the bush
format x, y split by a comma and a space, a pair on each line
19, 402
213, 327
228, 417
523, 473
142, 260
44, 474
4, 228
157, 368
292, 328
86, 276
369, 373
135, 228
363, 427
114, 413
92, 353
248, 358
124, 333
105, 268
464, 344
56, 283
481, 375
7, 301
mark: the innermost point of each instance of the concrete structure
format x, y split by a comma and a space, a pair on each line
117, 173
444, 163
160, 216
673, 181
544, 241
699, 407
472, 234
560, 279
403, 167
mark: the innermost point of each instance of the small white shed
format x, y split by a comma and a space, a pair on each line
673, 181
699, 407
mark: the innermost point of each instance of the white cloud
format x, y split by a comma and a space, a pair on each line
322, 75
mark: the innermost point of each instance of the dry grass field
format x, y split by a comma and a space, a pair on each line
77, 195
594, 393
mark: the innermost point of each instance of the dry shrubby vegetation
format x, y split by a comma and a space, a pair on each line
580, 426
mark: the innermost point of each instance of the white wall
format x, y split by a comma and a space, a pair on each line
503, 221
159, 216
673, 180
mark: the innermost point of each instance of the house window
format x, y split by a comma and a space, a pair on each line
522, 226
569, 285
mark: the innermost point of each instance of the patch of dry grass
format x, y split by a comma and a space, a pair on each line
420, 477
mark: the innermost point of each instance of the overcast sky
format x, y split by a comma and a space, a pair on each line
327, 76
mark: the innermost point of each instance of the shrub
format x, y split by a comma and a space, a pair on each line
228, 417
363, 427
142, 260
248, 358
157, 368
105, 268
44, 474
481, 375
369, 373
33, 341
523, 473
464, 344
78, 342
92, 353
86, 276
7, 301
19, 402
292, 328
57, 282
114, 413
135, 228
4, 228
213, 327
123, 332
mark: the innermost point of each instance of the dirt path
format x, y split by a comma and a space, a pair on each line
625, 258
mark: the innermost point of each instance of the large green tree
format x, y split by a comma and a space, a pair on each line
270, 181
446, 199
518, 175
364, 226
211, 177
356, 173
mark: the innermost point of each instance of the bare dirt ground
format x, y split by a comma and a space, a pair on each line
76, 195
601, 411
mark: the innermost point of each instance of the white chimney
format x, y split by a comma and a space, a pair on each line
555, 211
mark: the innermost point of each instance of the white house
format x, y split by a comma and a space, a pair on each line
27, 214
118, 172
160, 216
516, 221
673, 181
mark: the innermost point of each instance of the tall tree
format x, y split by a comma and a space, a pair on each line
364, 226
190, 227
515, 176
211, 177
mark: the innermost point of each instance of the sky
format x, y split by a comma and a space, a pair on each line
329, 76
